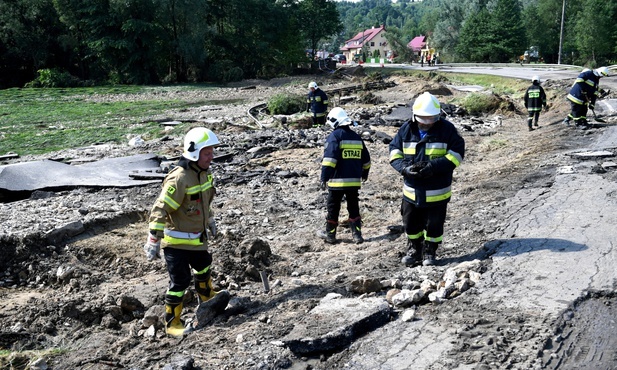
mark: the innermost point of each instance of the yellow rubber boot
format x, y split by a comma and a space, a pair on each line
203, 286
174, 326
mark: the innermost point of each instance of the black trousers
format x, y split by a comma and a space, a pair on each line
533, 116
179, 264
319, 121
579, 113
335, 198
424, 222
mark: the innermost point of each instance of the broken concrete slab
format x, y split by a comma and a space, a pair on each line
47, 174
335, 323
399, 114
65, 231
593, 154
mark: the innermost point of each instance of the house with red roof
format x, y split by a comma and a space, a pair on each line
372, 41
417, 44
421, 49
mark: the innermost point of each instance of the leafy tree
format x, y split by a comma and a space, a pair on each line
28, 40
399, 44
507, 30
542, 21
476, 39
447, 29
595, 32
81, 19
317, 19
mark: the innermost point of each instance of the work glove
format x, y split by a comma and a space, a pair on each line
152, 247
425, 169
418, 170
410, 172
323, 185
212, 230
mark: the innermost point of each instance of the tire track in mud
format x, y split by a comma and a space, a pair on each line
585, 335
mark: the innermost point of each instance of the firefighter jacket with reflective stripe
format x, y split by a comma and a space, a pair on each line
182, 210
585, 89
535, 98
442, 146
318, 102
346, 159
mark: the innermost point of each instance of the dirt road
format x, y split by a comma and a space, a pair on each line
530, 219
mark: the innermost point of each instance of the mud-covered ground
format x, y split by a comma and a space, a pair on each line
91, 300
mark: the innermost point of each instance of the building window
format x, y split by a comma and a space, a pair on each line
372, 43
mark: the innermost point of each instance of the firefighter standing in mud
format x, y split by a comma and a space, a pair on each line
345, 165
180, 221
535, 99
425, 151
317, 102
583, 95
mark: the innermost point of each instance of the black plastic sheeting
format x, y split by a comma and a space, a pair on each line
47, 174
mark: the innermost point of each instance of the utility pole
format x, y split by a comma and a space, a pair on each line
563, 14
363, 56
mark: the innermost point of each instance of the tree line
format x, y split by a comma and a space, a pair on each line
171, 41
157, 41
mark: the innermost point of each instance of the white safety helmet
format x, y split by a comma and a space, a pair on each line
312, 85
535, 78
197, 139
426, 105
338, 117
601, 72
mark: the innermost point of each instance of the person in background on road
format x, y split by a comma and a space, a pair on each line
317, 102
345, 165
180, 221
425, 151
583, 95
535, 99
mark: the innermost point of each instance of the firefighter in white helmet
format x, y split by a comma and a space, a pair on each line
181, 222
317, 102
345, 165
425, 151
583, 95
535, 100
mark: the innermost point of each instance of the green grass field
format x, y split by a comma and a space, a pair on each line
38, 121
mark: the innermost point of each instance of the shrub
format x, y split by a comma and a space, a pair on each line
478, 103
224, 71
233, 74
286, 104
53, 78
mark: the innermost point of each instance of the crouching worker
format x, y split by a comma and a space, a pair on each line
425, 151
345, 165
180, 221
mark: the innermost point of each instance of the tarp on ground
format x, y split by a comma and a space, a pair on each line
47, 174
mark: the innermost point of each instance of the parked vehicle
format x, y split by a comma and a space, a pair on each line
340, 58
